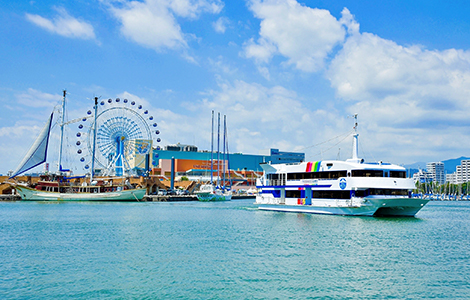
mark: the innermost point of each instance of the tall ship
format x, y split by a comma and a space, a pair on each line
59, 186
352, 187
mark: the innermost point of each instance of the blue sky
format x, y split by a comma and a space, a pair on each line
287, 74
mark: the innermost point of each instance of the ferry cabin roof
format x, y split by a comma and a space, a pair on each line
325, 174
334, 165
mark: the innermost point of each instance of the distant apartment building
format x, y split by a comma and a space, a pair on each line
422, 176
451, 178
461, 174
437, 171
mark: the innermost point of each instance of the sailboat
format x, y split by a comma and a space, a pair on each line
212, 191
57, 187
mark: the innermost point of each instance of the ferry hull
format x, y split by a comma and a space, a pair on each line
397, 207
29, 194
405, 207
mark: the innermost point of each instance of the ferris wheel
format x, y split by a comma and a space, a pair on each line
119, 135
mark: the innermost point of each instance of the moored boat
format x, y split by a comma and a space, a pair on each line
209, 192
57, 187
352, 187
89, 193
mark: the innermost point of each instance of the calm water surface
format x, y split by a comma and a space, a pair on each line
229, 250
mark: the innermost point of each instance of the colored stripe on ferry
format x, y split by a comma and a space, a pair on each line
309, 167
317, 166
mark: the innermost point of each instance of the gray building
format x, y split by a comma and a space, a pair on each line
437, 172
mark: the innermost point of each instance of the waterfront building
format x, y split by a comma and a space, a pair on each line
422, 176
195, 164
461, 174
451, 178
279, 157
437, 171
465, 171
237, 161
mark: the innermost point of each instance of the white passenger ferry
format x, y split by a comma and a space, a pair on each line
350, 187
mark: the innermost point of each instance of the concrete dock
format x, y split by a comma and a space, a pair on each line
147, 198
156, 198
9, 197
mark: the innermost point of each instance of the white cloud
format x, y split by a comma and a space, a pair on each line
32, 110
35, 98
137, 99
262, 51
64, 25
261, 118
258, 117
408, 96
153, 24
402, 84
192, 8
221, 25
220, 65
304, 35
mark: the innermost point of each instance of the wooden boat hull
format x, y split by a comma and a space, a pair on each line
29, 194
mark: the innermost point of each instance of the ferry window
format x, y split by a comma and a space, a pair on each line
398, 174
273, 176
331, 194
367, 173
388, 192
337, 174
275, 193
360, 193
294, 176
316, 175
292, 194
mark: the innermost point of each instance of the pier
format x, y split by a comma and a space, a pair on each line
157, 198
169, 198
147, 198
9, 197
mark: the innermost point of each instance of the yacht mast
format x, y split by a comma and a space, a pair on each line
212, 149
223, 157
62, 123
94, 143
218, 149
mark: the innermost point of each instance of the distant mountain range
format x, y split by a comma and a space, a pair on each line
449, 165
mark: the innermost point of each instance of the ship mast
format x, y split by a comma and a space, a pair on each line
223, 157
355, 139
212, 149
218, 149
62, 123
94, 143
355, 149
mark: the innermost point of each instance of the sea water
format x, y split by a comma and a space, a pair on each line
229, 250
